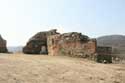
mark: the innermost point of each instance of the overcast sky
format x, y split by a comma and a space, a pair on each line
21, 19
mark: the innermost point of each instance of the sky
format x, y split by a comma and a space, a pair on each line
21, 19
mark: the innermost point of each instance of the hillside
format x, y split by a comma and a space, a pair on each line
117, 42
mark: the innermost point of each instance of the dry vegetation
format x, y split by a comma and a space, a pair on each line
21, 68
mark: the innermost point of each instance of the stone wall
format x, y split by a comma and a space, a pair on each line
71, 44
104, 54
38, 43
3, 47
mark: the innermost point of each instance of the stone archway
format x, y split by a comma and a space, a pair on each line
38, 43
43, 50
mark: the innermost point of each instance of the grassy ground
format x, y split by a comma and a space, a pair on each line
21, 68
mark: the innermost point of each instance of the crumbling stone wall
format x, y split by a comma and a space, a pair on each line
3, 47
38, 43
71, 44
104, 54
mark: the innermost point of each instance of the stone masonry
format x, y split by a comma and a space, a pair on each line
104, 54
38, 43
71, 44
3, 47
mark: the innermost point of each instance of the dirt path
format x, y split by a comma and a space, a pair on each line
20, 68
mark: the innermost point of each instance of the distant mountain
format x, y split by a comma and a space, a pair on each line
15, 49
117, 42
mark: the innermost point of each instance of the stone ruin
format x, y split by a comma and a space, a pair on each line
104, 54
70, 44
38, 43
3, 47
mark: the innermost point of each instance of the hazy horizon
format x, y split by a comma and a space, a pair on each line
21, 19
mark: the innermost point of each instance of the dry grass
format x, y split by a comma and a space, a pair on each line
21, 68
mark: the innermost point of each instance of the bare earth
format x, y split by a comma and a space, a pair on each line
21, 68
